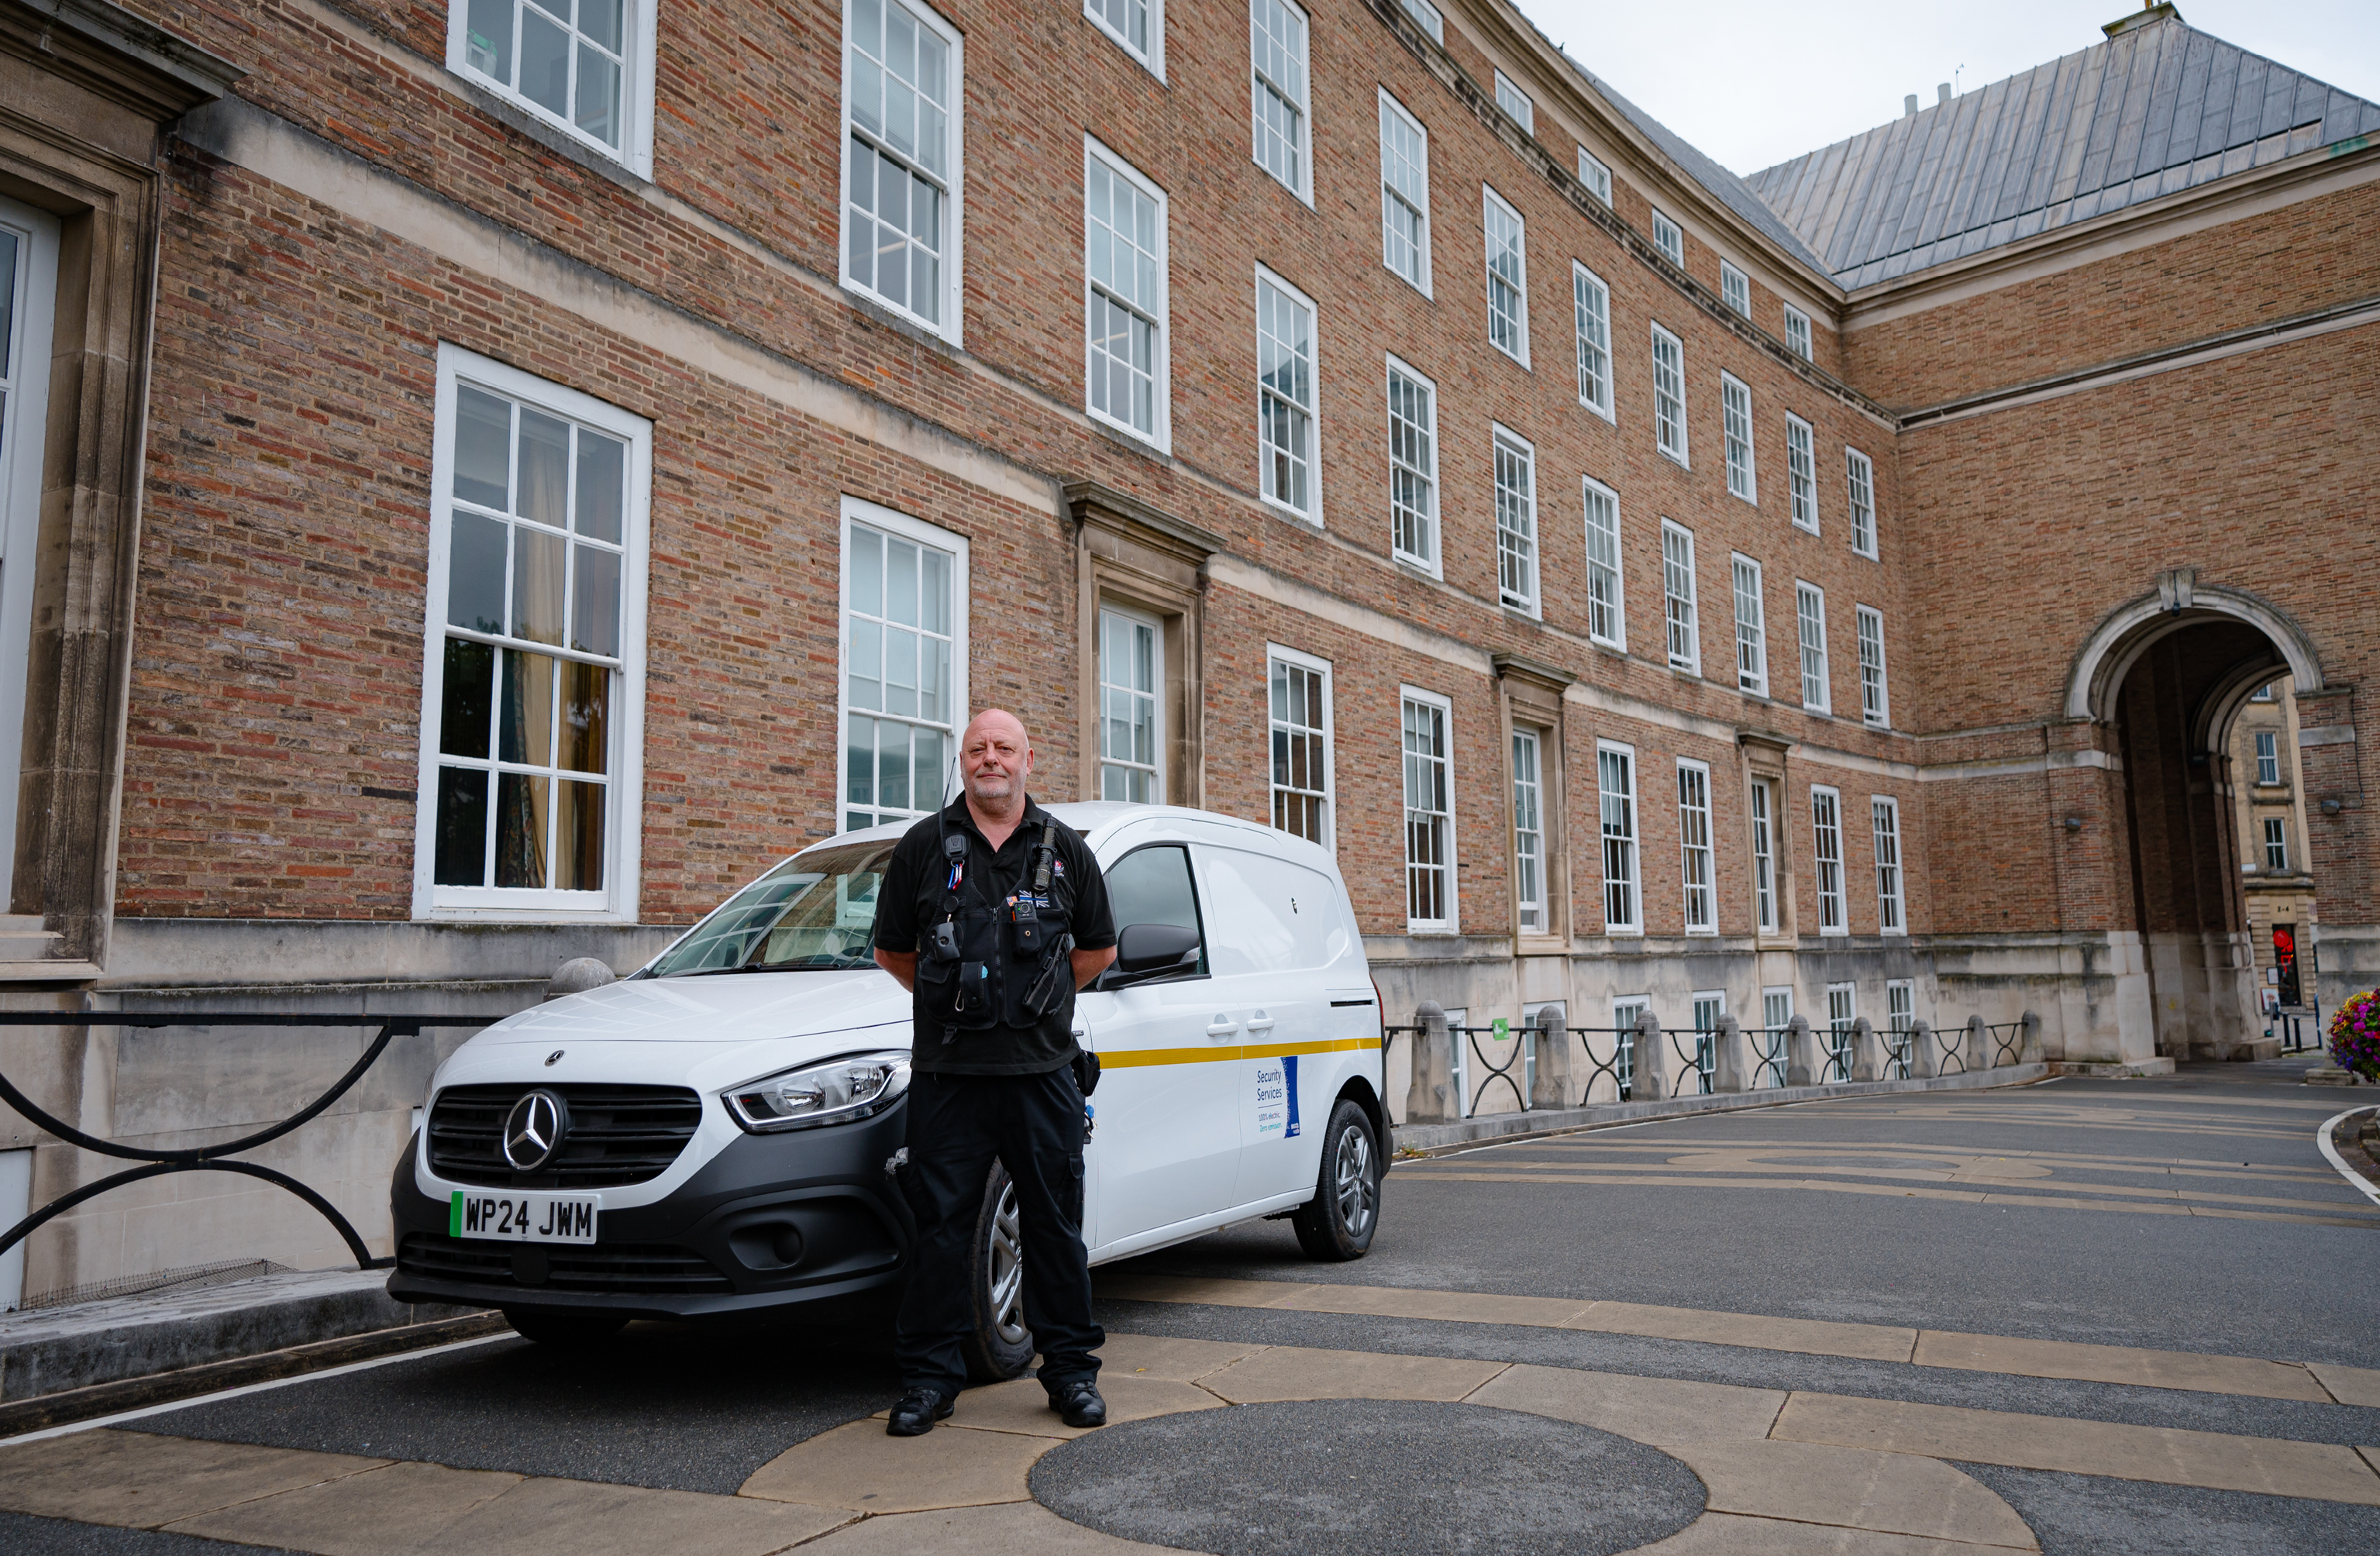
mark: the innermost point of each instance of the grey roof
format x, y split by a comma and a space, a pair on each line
2155, 109
1729, 188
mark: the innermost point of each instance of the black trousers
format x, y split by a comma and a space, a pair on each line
1034, 1124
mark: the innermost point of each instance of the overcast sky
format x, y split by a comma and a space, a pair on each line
1753, 82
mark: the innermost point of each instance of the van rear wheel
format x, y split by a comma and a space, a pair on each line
998, 1346
1338, 1223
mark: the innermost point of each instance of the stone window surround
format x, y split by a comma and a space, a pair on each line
1529, 694
1761, 756
89, 91
1129, 553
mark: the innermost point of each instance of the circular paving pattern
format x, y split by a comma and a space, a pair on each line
1360, 1476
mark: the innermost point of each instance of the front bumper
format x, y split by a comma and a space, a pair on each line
718, 1245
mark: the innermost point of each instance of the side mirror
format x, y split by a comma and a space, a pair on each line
1146, 951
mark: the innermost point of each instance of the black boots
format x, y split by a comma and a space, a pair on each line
917, 1411
1078, 1403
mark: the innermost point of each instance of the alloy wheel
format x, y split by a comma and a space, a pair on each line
1357, 1194
1006, 1261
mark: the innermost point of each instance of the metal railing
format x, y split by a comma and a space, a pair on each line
1951, 1044
1836, 1064
215, 1158
2299, 1031
1898, 1052
2005, 1042
1769, 1056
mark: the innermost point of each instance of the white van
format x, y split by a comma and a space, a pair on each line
714, 1133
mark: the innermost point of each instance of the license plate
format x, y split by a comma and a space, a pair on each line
519, 1217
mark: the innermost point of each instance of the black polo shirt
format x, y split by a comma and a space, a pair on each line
910, 900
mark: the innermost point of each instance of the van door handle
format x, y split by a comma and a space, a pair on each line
1221, 1027
1259, 1022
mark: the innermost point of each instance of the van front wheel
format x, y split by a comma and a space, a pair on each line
1338, 1223
998, 1347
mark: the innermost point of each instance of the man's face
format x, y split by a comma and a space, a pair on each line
996, 759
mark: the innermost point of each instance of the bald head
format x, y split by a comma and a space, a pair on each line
995, 757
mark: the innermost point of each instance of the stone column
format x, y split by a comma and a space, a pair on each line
1551, 1088
1867, 1052
1652, 1062
1978, 1045
2031, 1053
1433, 1068
1923, 1055
1803, 1064
1732, 1057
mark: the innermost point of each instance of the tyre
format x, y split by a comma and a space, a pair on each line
998, 1346
1338, 1223
564, 1329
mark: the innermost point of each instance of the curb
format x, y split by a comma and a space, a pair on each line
49, 1352
2356, 1171
1440, 1139
164, 1388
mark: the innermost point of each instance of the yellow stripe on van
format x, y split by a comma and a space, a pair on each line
1136, 1058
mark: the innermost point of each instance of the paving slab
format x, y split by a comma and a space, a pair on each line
2214, 1460
857, 1467
402, 1507
1290, 1372
1731, 1534
2349, 1385
141, 1479
1006, 1529
1023, 1405
1809, 1336
1854, 1488
2119, 1364
1656, 1410
1161, 1356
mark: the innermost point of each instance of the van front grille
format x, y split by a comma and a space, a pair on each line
618, 1134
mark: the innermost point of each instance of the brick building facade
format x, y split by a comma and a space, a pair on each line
523, 469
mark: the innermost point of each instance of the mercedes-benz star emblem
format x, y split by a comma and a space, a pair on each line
552, 1059
533, 1130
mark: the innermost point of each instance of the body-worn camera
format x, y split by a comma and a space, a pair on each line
945, 941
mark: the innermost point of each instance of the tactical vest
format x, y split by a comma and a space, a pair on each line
986, 963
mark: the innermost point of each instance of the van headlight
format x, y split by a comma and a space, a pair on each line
837, 1092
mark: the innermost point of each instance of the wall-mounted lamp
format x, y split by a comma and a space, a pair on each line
2333, 807
2073, 823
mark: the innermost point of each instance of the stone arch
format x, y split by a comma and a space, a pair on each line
2117, 644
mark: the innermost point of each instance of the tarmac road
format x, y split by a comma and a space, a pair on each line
2100, 1315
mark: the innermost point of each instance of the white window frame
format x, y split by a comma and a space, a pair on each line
1302, 151
1751, 627
1426, 16
1670, 399
1767, 913
1321, 669
2276, 845
1679, 613
1515, 542
1599, 498
1892, 875
1392, 197
1398, 368
1492, 206
1591, 311
1518, 103
1773, 999
1842, 1012
1618, 831
1802, 471
1669, 239
2262, 694
1875, 696
1154, 56
1594, 175
1533, 910
2268, 757
1452, 922
636, 33
1625, 1013
1100, 762
1809, 612
1735, 430
1826, 857
1161, 435
1797, 332
952, 326
891, 521
1900, 1005
1313, 409
1735, 288
624, 818
1697, 868
1859, 477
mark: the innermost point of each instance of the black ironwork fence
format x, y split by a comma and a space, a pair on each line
1898, 1048
1837, 1063
215, 1158
1768, 1054
2297, 1029
2006, 1042
1951, 1043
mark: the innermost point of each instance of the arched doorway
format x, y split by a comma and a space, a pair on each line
2176, 677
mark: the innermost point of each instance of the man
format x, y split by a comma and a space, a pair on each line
992, 913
